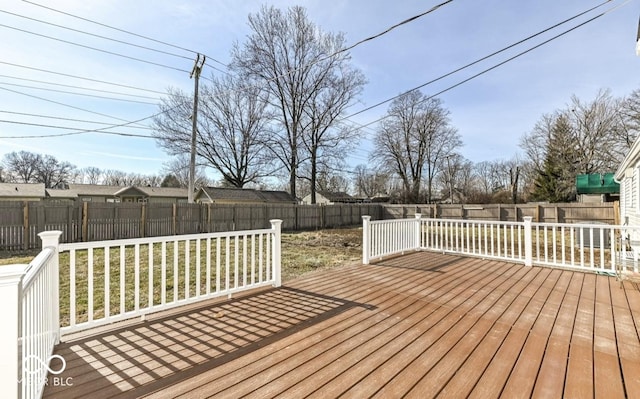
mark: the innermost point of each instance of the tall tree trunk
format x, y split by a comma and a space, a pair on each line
314, 172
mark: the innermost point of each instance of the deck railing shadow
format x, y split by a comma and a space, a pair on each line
399, 262
163, 351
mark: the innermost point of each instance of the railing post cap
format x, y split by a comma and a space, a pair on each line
418, 215
366, 217
528, 218
49, 234
275, 221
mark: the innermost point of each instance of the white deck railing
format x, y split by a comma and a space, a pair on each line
31, 328
110, 281
584, 246
71, 287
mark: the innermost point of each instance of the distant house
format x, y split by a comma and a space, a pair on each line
328, 198
597, 188
219, 195
100, 193
21, 191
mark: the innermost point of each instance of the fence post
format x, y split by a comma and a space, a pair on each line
143, 220
528, 241
10, 373
85, 221
276, 225
418, 243
174, 219
366, 220
25, 226
52, 239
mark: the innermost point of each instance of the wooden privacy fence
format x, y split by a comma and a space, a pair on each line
607, 212
20, 222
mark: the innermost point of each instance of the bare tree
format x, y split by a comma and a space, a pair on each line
231, 135
597, 137
414, 141
22, 167
178, 167
27, 167
371, 182
325, 141
306, 76
332, 181
53, 173
114, 177
92, 175
484, 177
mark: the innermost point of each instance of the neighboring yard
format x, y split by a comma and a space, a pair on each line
301, 252
315, 250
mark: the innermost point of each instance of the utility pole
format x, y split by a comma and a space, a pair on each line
450, 179
195, 73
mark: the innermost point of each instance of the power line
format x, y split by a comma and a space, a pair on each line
62, 104
82, 78
85, 131
78, 94
95, 35
504, 62
43, 136
57, 127
478, 60
124, 31
100, 130
77, 87
335, 53
406, 21
94, 48
68, 119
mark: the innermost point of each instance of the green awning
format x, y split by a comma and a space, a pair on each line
597, 184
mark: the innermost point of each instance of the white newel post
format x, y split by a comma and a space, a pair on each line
528, 241
276, 225
366, 220
52, 239
10, 373
418, 231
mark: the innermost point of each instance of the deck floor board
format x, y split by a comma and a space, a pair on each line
419, 325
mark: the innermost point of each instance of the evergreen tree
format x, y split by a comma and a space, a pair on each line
555, 181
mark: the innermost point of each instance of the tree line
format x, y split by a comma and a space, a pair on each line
28, 167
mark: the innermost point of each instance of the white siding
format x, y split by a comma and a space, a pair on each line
630, 198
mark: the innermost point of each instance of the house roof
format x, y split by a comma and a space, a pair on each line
629, 160
165, 192
113, 191
95, 189
335, 196
22, 190
597, 184
61, 193
245, 195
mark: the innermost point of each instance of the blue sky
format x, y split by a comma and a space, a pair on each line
491, 112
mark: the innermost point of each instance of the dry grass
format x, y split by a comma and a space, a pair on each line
316, 250
301, 253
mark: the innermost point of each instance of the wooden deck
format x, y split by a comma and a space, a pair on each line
421, 325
